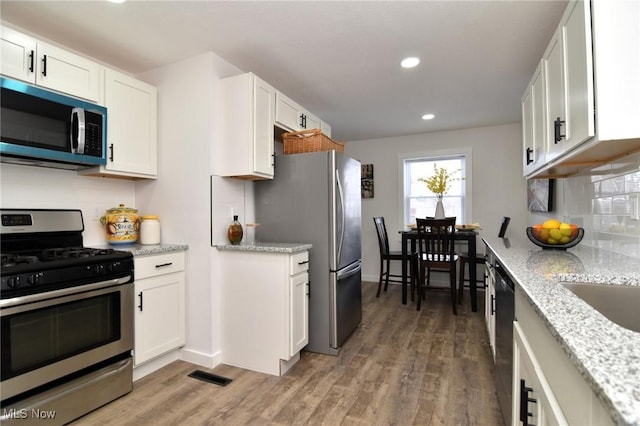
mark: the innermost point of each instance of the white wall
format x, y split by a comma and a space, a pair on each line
498, 188
187, 132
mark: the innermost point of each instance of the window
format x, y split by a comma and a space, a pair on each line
419, 201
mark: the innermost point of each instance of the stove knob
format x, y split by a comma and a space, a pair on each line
111, 267
13, 282
98, 269
34, 279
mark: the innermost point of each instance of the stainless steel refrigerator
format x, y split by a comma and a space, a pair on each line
315, 198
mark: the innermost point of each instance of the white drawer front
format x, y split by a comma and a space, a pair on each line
150, 266
299, 262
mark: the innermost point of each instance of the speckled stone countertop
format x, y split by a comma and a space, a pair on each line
606, 355
266, 247
146, 250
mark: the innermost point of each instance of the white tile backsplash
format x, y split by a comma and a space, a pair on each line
606, 204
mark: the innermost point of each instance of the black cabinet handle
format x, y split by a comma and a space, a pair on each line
44, 65
162, 265
31, 59
303, 263
524, 403
303, 121
308, 289
273, 159
111, 152
529, 154
140, 298
557, 124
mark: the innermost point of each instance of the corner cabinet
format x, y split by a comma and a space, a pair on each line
246, 148
547, 387
132, 128
264, 309
159, 305
33, 61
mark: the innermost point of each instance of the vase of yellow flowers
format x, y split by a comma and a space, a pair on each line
439, 183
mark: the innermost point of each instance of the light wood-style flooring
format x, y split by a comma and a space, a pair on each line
400, 367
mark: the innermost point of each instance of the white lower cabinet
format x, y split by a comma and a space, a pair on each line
534, 402
159, 305
547, 387
264, 309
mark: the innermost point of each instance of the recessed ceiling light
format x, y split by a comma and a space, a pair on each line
428, 117
116, 1
410, 62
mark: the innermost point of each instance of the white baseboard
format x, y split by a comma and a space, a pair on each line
200, 358
194, 357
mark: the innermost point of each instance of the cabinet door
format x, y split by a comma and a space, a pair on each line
325, 128
578, 71
18, 53
310, 121
556, 112
533, 401
132, 125
159, 315
299, 305
66, 72
287, 113
263, 150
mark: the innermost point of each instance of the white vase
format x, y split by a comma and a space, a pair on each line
439, 209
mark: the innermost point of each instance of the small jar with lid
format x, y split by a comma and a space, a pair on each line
150, 230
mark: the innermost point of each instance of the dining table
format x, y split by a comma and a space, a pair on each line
410, 238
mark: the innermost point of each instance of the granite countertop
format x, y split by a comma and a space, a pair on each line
146, 250
265, 247
606, 355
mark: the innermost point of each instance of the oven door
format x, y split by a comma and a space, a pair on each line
45, 338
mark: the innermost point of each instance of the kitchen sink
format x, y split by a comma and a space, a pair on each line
619, 303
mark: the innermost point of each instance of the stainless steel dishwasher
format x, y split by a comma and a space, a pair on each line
503, 370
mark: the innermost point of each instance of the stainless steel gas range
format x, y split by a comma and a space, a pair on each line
66, 316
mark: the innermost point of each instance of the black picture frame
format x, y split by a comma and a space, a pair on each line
540, 195
366, 187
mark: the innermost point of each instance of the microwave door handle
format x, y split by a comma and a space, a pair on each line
77, 130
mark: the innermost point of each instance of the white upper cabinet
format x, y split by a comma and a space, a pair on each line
246, 148
40, 63
131, 128
534, 121
325, 128
569, 73
591, 69
291, 116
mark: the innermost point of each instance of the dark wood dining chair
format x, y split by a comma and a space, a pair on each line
386, 256
480, 258
436, 250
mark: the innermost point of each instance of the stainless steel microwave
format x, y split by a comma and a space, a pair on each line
43, 128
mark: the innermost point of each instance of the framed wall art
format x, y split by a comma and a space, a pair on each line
367, 181
540, 195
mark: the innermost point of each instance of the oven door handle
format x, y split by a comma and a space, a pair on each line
38, 297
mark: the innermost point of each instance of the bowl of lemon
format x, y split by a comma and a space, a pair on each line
553, 234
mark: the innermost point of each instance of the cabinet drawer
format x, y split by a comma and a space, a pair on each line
151, 266
299, 263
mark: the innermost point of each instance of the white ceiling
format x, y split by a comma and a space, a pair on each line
339, 59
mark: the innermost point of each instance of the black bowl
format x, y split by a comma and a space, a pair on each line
575, 239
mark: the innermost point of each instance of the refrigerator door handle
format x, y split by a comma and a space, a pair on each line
352, 269
342, 212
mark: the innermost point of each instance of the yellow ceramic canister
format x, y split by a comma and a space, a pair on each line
122, 225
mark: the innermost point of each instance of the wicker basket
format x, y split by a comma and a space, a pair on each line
311, 140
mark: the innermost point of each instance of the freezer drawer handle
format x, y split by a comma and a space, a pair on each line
162, 265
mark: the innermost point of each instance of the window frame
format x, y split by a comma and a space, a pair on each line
466, 153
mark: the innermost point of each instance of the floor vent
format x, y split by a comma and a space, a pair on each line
210, 378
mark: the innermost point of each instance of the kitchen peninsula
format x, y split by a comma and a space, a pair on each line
605, 385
